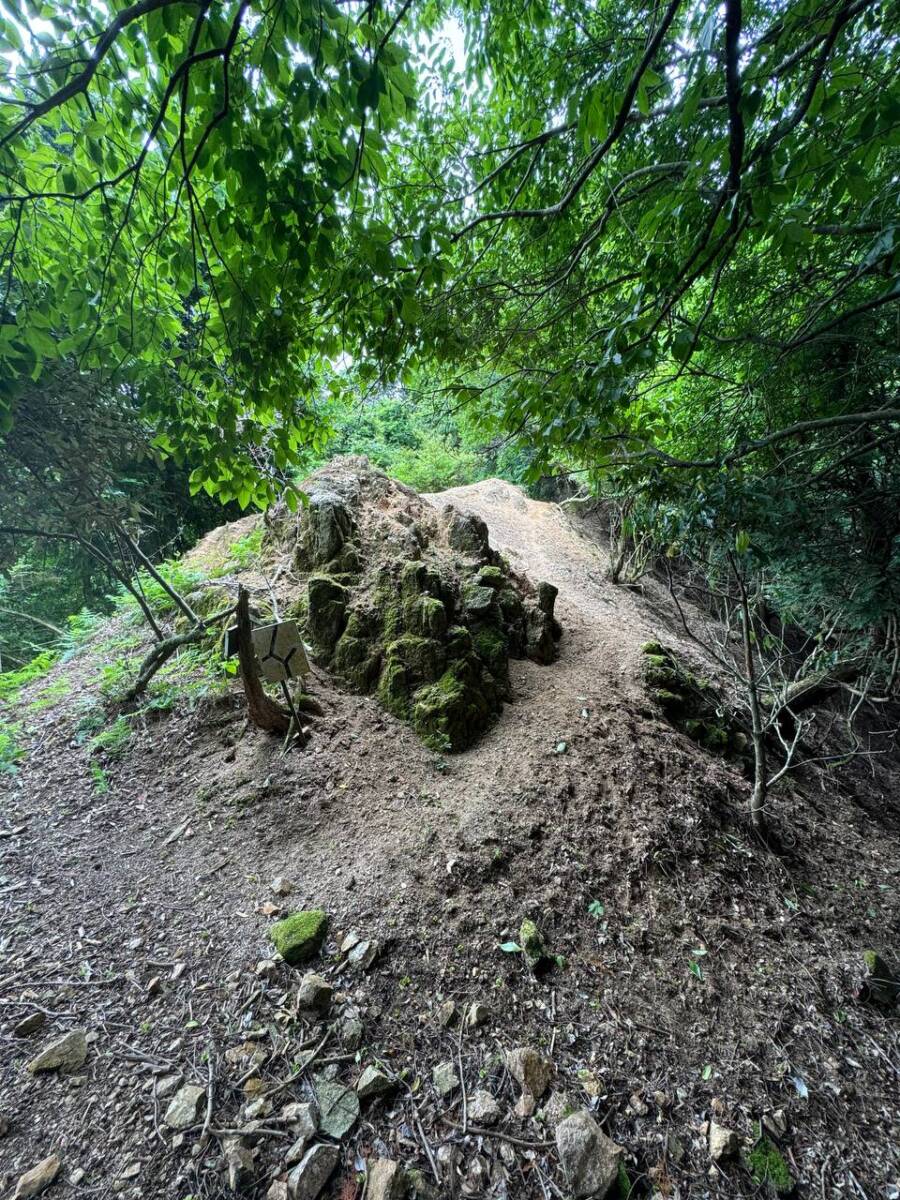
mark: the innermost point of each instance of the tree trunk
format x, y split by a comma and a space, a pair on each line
757, 725
264, 712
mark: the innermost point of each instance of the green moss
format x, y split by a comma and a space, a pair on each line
653, 648
358, 660
767, 1167
478, 601
491, 647
300, 936
429, 617
491, 577
670, 702
459, 642
424, 658
530, 940
451, 713
393, 688
327, 611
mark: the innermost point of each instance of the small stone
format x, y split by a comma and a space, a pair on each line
302, 1118
384, 1180
483, 1108
363, 955
76, 1176
532, 1072
638, 1104
257, 1109
350, 1031
349, 941
266, 968
154, 986
445, 1078
299, 937
590, 1160
278, 1190
723, 1142
38, 1178
282, 886
166, 1085
532, 944
373, 1083
446, 1013
882, 984
239, 1161
246, 1056
557, 1108
182, 1110
65, 1054
313, 1171
314, 994
29, 1025
131, 1171
338, 1107
478, 1014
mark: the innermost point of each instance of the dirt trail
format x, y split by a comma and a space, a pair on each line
580, 794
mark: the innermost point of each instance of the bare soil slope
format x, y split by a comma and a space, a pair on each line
700, 975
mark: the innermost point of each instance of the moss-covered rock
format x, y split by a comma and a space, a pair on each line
690, 702
881, 985
532, 943
327, 613
429, 617
452, 713
299, 937
492, 577
478, 601
767, 1168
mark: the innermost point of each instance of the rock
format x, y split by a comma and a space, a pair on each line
338, 1107
349, 940
723, 1143
467, 533
483, 1109
350, 1031
478, 1014
29, 1025
384, 1180
257, 1109
532, 1072
314, 994
246, 1056
373, 1083
559, 1106
363, 955
267, 968
327, 615
590, 1160
282, 886
184, 1105
533, 945
65, 1054
34, 1181
167, 1084
445, 1078
326, 526
278, 1190
313, 1171
446, 1013
239, 1162
299, 937
76, 1176
303, 1120
881, 985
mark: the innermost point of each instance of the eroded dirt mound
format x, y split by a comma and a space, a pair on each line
412, 603
695, 976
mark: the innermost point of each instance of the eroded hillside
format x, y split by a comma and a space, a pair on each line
690, 975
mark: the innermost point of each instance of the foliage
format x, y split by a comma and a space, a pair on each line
201, 185
10, 751
12, 682
112, 741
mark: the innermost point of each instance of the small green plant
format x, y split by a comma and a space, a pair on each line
10, 751
597, 909
48, 696
244, 552
112, 742
99, 779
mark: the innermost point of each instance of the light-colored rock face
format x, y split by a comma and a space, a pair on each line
483, 1108
65, 1054
445, 1078
373, 1082
384, 1180
307, 1179
184, 1106
532, 1072
314, 994
33, 1182
723, 1142
590, 1160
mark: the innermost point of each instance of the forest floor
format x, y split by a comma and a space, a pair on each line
701, 975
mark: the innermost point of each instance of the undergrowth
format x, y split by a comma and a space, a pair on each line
12, 682
10, 751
